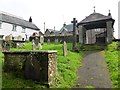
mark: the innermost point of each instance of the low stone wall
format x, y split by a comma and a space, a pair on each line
68, 39
36, 65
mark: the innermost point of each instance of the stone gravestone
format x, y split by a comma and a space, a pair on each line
56, 41
36, 41
41, 40
33, 45
1, 42
64, 48
8, 42
48, 41
40, 46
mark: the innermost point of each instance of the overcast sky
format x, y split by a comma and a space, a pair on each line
56, 12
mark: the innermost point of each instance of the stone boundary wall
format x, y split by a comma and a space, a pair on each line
61, 39
40, 66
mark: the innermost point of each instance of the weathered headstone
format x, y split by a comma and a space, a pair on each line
40, 46
48, 41
33, 45
42, 40
7, 46
56, 41
7, 43
60, 41
36, 41
1, 41
8, 38
64, 48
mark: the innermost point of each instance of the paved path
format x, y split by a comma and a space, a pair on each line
93, 71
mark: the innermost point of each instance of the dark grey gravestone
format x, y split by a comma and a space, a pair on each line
7, 46
64, 48
36, 41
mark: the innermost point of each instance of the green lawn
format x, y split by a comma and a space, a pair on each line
66, 75
112, 60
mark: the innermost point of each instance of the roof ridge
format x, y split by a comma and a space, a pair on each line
18, 21
12, 15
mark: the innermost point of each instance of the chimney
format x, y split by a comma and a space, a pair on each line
30, 19
109, 14
64, 25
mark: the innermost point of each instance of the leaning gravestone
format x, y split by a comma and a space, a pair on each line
64, 48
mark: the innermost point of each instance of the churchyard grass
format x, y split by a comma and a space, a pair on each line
66, 67
111, 54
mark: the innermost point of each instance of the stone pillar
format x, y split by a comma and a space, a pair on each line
81, 34
109, 31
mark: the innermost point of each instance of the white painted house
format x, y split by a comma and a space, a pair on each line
16, 26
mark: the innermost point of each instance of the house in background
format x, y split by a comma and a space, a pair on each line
67, 30
16, 26
51, 32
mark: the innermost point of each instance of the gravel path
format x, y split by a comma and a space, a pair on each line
93, 71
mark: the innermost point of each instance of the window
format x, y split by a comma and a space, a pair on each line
0, 24
14, 28
23, 29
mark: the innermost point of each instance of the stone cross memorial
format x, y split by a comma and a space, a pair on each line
74, 33
64, 48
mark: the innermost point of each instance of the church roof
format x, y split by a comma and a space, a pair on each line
68, 28
17, 21
94, 17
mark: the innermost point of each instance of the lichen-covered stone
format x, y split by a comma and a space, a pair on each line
40, 66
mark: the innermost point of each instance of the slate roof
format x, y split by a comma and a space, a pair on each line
52, 31
95, 17
68, 28
17, 21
